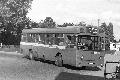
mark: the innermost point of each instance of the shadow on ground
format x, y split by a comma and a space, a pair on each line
73, 76
68, 66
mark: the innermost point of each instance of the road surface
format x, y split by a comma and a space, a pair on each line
14, 67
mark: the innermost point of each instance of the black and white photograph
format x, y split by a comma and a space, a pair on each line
59, 39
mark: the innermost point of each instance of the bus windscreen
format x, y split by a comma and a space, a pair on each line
86, 42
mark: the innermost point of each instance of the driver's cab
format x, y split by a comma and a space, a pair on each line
89, 50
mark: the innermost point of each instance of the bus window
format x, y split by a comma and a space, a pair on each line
95, 41
32, 37
29, 38
37, 38
59, 39
84, 42
51, 39
71, 41
23, 37
59, 35
41, 38
47, 39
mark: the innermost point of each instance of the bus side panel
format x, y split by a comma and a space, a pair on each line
40, 51
69, 56
48, 52
25, 49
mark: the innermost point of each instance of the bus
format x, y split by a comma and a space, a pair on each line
76, 45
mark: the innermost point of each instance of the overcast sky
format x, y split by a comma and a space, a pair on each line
78, 10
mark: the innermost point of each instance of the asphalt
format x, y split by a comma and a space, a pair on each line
73, 76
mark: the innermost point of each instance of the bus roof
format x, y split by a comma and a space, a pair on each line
52, 30
66, 30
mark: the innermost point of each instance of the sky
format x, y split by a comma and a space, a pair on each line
75, 11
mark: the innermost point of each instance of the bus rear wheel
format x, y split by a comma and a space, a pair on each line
58, 60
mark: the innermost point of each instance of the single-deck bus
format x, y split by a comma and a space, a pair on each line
76, 45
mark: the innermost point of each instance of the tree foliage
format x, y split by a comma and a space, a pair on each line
48, 23
13, 16
66, 24
82, 23
108, 29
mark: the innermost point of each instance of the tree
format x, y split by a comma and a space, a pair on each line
82, 23
108, 29
66, 24
13, 15
104, 27
34, 25
48, 23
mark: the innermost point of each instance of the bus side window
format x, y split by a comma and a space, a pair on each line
23, 37
59, 39
29, 38
34, 37
71, 41
37, 38
46, 39
41, 38
51, 39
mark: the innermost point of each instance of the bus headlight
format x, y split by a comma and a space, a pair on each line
81, 57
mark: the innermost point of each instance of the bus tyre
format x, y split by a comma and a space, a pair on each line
59, 63
31, 56
35, 55
58, 60
43, 57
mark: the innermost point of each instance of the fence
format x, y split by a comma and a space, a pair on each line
10, 48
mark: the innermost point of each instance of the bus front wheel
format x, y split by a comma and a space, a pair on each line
31, 56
